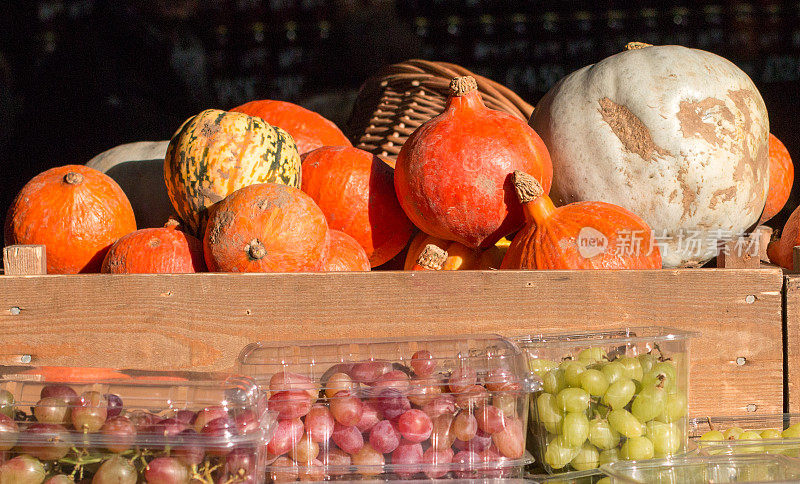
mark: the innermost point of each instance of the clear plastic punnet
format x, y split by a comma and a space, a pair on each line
403, 408
747, 434
62, 425
592, 476
716, 469
608, 395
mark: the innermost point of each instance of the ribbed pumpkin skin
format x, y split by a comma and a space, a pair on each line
781, 178
459, 256
310, 130
345, 253
554, 244
452, 175
780, 251
282, 220
164, 250
216, 153
355, 191
77, 223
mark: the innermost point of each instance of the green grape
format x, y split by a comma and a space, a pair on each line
713, 436
575, 428
675, 407
540, 366
587, 458
666, 438
633, 369
549, 414
771, 434
637, 448
6, 403
649, 403
613, 371
750, 449
553, 381
619, 393
609, 455
732, 433
662, 372
601, 435
593, 354
605, 480
625, 423
594, 382
792, 432
573, 400
559, 453
572, 372
647, 360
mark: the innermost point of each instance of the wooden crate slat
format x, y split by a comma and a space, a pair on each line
792, 343
202, 321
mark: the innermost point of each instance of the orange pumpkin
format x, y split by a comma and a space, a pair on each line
453, 174
459, 256
310, 130
354, 189
781, 178
581, 235
76, 212
345, 253
164, 250
780, 250
266, 228
431, 258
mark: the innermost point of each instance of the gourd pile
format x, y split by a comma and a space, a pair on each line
630, 147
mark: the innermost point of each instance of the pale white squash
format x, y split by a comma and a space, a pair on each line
678, 136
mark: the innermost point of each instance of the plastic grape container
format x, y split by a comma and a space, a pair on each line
104, 426
607, 396
592, 476
716, 469
750, 434
433, 408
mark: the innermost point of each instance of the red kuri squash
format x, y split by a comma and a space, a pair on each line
580, 235
355, 191
76, 212
781, 178
459, 256
780, 251
166, 250
266, 228
453, 174
310, 130
345, 253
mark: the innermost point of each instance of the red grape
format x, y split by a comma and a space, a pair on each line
63, 392
369, 461
90, 413
246, 421
473, 396
384, 437
391, 403
415, 425
435, 462
490, 419
46, 441
442, 436
369, 371
290, 403
283, 470
496, 465
221, 431
406, 459
423, 363
349, 439
394, 379
167, 427
441, 405
319, 423
287, 434
464, 464
502, 380
143, 420
8, 432
507, 403
166, 470
186, 416
305, 451
120, 433
511, 440
114, 404
188, 448
424, 390
465, 426
479, 443
369, 417
285, 380
313, 471
346, 408
336, 461
59, 479
22, 469
462, 378
240, 464
52, 410
339, 382
116, 470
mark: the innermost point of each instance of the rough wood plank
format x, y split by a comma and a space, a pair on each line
741, 254
24, 260
202, 321
764, 234
792, 342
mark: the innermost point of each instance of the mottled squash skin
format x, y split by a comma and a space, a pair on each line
164, 250
216, 153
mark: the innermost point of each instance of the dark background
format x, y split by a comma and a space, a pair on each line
80, 76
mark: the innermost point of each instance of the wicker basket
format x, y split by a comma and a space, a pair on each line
391, 105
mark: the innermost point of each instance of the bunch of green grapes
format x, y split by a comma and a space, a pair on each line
713, 441
596, 409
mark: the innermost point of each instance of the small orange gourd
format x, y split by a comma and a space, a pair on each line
581, 235
431, 258
459, 256
781, 178
345, 253
165, 250
780, 250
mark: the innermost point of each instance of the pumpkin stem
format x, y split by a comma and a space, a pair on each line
73, 178
432, 258
527, 187
172, 223
463, 85
255, 250
637, 45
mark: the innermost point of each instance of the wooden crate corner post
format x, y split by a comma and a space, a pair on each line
746, 253
24, 260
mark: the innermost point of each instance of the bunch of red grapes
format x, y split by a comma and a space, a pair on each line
93, 438
377, 417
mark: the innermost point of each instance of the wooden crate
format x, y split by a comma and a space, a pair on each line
202, 321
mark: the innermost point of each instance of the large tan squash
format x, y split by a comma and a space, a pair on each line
676, 135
